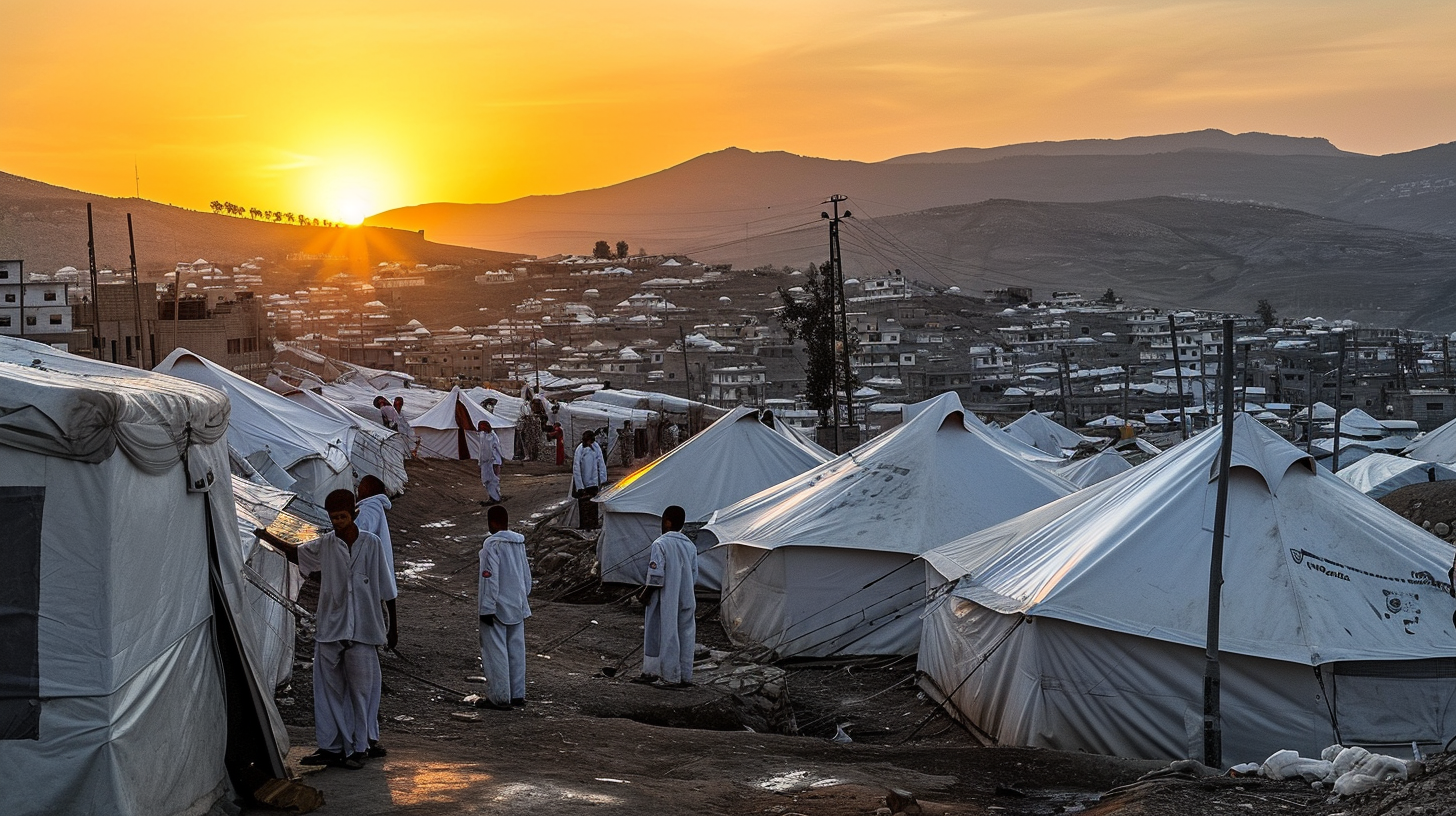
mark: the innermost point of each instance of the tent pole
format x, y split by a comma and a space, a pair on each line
1339, 401
1178, 373
1212, 718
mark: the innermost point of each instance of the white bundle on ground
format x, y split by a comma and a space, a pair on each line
1290, 765
1347, 771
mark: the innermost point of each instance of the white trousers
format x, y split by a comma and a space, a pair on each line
503, 661
491, 481
344, 679
668, 651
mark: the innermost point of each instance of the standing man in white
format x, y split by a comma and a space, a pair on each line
490, 462
505, 583
353, 582
588, 474
372, 502
670, 627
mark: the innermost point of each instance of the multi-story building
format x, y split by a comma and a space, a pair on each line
731, 386
39, 311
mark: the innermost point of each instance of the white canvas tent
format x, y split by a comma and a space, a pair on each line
1381, 473
1435, 446
131, 666
1099, 466
1040, 432
259, 506
822, 564
377, 450
446, 431
274, 433
1080, 626
734, 457
604, 418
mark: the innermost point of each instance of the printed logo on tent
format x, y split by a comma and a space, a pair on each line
1402, 607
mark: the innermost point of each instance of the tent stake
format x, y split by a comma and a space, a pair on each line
1212, 718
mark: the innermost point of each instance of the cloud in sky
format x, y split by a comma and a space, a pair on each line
279, 102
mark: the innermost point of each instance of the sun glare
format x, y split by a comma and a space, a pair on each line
350, 191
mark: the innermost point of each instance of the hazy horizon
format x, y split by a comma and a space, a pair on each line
343, 110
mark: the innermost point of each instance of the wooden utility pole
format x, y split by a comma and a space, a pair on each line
135, 291
1126, 390
687, 373
1212, 714
836, 277
95, 307
1178, 374
1064, 384
1339, 401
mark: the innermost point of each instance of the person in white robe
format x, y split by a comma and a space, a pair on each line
405, 428
490, 462
588, 474
669, 630
505, 584
371, 504
353, 582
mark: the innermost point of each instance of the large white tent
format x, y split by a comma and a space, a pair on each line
377, 450
822, 564
1039, 431
605, 419
1080, 626
273, 432
1095, 468
446, 431
1435, 446
1380, 473
130, 679
734, 457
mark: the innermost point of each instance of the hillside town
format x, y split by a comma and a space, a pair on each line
832, 551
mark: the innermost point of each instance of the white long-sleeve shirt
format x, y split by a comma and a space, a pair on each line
588, 467
505, 577
352, 583
372, 519
489, 451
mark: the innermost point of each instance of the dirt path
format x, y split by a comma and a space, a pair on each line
592, 743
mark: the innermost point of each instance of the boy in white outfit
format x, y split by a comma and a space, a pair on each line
505, 581
370, 517
490, 462
353, 582
670, 626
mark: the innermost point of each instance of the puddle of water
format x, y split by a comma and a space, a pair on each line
796, 781
413, 569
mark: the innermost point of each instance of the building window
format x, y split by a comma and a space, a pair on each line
50, 296
9, 298
30, 320
234, 347
4, 273
55, 320
4, 320
1435, 406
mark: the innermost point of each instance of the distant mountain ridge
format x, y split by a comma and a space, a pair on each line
1168, 251
45, 226
735, 196
1211, 139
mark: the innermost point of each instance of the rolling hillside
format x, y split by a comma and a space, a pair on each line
45, 226
1162, 251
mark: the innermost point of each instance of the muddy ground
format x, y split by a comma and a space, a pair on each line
589, 743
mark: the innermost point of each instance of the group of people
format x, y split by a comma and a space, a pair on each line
356, 616
392, 416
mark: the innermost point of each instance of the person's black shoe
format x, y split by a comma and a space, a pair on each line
519, 702
321, 757
645, 679
485, 703
352, 762
376, 750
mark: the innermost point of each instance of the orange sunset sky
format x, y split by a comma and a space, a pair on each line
341, 109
